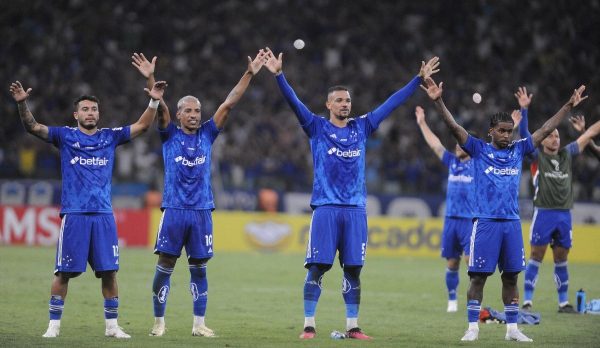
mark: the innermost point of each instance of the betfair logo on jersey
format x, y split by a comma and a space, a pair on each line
345, 154
502, 171
94, 161
186, 162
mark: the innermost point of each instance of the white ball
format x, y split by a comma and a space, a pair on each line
299, 44
476, 98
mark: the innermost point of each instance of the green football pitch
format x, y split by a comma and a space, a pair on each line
255, 300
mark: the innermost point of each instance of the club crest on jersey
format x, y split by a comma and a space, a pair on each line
555, 164
186, 162
345, 154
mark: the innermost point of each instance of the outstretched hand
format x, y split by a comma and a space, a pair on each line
419, 114
523, 98
157, 90
144, 66
577, 96
516, 117
260, 60
18, 93
578, 123
433, 91
429, 68
274, 64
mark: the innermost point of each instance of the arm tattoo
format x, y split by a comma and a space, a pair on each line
26, 117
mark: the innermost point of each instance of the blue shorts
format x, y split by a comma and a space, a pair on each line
87, 238
456, 237
496, 242
342, 228
551, 226
185, 227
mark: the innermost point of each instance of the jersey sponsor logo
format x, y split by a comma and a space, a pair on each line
460, 178
186, 162
195, 293
344, 154
94, 161
502, 171
117, 129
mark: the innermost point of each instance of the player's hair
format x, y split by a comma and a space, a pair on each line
337, 88
500, 117
186, 98
85, 97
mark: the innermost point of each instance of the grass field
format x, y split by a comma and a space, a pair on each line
255, 300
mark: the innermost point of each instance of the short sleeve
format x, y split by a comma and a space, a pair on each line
166, 133
54, 136
447, 158
211, 129
472, 146
122, 135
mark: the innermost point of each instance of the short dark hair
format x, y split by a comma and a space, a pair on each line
85, 97
500, 117
337, 88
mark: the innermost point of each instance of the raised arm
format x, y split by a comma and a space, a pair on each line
551, 124
584, 140
145, 121
432, 140
31, 126
399, 97
524, 100
147, 68
435, 93
238, 91
275, 65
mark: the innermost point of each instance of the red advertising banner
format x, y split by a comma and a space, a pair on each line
26, 225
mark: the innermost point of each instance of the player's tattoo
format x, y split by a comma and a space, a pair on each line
26, 116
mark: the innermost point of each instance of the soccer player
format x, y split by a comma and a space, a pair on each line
88, 231
339, 220
187, 199
496, 237
553, 200
459, 206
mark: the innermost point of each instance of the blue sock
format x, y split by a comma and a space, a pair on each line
111, 308
56, 306
561, 279
473, 308
312, 290
351, 290
531, 276
451, 283
160, 289
199, 288
512, 312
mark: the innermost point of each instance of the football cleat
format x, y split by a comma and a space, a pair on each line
527, 306
158, 329
357, 334
516, 335
116, 332
308, 333
53, 329
201, 330
567, 309
452, 306
471, 335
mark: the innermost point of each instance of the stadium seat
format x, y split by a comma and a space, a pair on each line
12, 193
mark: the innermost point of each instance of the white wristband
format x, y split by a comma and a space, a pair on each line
153, 103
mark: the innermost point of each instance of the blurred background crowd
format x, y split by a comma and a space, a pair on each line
63, 49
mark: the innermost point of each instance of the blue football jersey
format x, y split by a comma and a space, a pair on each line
497, 177
461, 183
87, 164
339, 161
187, 159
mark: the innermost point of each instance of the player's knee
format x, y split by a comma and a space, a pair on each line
316, 270
352, 272
453, 264
107, 275
68, 275
478, 279
510, 278
166, 260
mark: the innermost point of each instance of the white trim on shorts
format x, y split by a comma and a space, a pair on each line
535, 213
60, 241
472, 243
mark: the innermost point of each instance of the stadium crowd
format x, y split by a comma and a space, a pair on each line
67, 48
